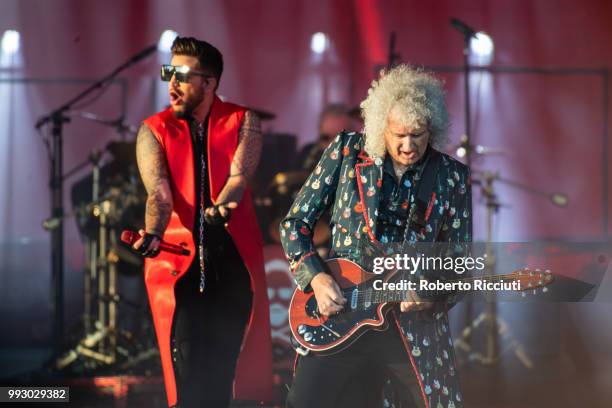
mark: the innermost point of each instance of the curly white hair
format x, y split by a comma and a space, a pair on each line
415, 96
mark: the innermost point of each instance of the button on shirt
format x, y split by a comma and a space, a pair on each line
396, 198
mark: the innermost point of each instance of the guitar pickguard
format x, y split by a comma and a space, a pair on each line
330, 329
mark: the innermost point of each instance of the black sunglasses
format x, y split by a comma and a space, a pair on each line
181, 72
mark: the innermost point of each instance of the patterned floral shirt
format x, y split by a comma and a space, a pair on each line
366, 207
366, 202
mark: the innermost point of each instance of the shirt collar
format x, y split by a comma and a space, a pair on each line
413, 168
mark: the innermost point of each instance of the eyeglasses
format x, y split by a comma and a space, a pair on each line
182, 73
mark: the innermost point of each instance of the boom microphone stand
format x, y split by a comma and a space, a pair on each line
494, 325
57, 118
489, 317
468, 33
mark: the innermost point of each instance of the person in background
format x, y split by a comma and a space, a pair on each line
332, 120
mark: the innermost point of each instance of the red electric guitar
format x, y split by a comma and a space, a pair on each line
366, 308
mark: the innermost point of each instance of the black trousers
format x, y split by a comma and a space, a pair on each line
356, 377
208, 327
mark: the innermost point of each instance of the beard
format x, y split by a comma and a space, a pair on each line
185, 111
182, 112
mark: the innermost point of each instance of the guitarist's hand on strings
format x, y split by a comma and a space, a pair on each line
415, 304
328, 294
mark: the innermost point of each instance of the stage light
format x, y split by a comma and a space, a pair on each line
464, 144
318, 43
11, 40
461, 151
166, 40
481, 49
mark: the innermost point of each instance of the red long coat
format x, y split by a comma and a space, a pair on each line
253, 380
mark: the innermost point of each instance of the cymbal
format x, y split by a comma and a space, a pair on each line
119, 124
122, 150
289, 178
263, 115
355, 112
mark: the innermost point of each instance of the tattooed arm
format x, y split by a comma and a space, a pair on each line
245, 159
154, 173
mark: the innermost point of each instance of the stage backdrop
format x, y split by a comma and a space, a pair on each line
550, 126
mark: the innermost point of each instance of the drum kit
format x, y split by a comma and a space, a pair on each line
274, 204
115, 329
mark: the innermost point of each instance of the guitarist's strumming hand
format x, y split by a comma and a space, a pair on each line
328, 294
415, 304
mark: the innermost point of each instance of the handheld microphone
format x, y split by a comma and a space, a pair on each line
129, 237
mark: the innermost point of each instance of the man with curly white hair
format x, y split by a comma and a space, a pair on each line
388, 185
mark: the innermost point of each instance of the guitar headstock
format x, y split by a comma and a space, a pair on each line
531, 279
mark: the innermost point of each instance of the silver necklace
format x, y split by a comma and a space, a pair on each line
399, 170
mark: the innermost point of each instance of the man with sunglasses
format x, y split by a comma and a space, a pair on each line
210, 307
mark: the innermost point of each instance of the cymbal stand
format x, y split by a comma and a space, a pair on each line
91, 248
99, 344
494, 326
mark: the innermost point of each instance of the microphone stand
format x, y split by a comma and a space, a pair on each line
466, 97
495, 327
57, 118
556, 198
393, 57
467, 34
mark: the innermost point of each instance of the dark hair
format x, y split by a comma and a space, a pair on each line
333, 109
210, 58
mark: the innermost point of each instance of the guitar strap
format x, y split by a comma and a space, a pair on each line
425, 195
